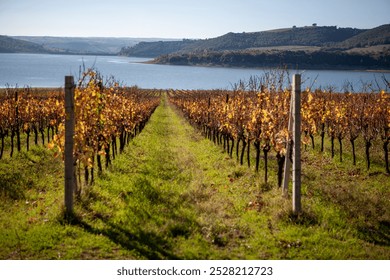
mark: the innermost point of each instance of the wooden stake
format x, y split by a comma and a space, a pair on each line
69, 142
294, 124
296, 169
287, 161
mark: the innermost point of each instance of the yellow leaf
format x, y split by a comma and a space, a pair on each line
51, 145
310, 98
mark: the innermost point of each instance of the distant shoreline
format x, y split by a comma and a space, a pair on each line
290, 67
302, 67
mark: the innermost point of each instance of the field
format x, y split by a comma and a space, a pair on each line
175, 193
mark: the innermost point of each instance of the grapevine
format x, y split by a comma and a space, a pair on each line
260, 117
106, 113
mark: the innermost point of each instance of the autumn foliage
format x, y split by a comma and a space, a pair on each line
261, 117
105, 115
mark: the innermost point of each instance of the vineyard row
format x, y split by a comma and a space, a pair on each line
105, 115
261, 117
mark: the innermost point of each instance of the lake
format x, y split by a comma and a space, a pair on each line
46, 70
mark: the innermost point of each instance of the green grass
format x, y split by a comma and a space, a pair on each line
175, 195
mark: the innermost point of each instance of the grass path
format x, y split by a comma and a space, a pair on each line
165, 185
175, 195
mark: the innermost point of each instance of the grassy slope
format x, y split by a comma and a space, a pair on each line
175, 195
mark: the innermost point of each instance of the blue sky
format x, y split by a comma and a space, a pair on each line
181, 18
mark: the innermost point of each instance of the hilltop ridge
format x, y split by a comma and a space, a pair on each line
310, 47
319, 36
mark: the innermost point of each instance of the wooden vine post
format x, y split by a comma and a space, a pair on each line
287, 161
69, 143
294, 125
296, 169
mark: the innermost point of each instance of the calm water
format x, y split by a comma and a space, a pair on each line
42, 70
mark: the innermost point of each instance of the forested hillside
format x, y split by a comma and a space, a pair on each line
301, 36
312, 47
283, 58
154, 49
376, 36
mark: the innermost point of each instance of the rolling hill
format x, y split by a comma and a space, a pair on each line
68, 45
11, 45
84, 45
316, 47
372, 37
319, 36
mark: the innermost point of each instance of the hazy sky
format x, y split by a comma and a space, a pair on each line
181, 18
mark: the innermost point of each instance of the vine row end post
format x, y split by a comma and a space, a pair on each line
296, 169
294, 147
69, 143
